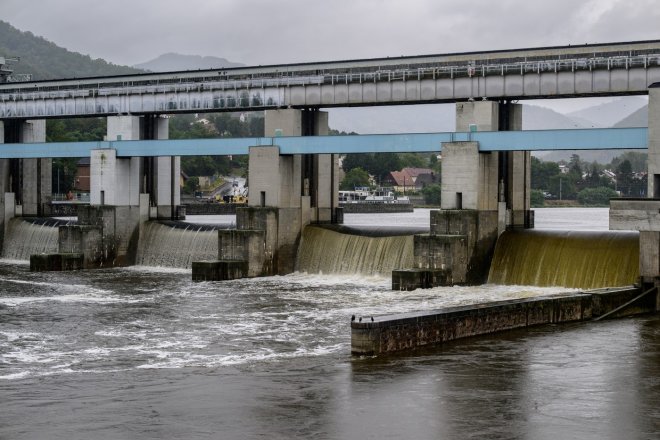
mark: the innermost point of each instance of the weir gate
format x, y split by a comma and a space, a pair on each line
293, 175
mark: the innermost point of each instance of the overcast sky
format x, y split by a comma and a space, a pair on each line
276, 31
280, 31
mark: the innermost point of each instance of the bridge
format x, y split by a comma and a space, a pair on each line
293, 171
529, 140
551, 72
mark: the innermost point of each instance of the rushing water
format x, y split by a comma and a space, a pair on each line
145, 353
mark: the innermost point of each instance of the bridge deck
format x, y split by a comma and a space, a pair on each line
553, 72
531, 140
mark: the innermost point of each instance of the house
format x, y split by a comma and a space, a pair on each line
410, 179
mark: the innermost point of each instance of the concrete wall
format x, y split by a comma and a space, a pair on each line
114, 181
461, 176
654, 142
402, 332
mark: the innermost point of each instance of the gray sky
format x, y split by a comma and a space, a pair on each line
277, 31
280, 31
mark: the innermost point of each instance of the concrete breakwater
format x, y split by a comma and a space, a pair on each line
386, 334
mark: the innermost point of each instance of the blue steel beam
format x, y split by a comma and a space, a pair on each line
530, 140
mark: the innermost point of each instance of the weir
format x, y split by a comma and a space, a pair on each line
574, 259
164, 245
326, 251
26, 237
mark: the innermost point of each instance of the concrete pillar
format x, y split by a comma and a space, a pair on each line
30, 179
643, 214
4, 188
157, 176
287, 192
654, 142
319, 186
505, 177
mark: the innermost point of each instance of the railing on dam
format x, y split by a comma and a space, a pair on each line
519, 74
527, 140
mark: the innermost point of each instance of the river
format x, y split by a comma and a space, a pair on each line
144, 353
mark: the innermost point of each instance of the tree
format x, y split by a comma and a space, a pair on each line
542, 172
536, 198
354, 178
377, 164
191, 185
624, 177
413, 160
432, 194
638, 161
563, 186
596, 196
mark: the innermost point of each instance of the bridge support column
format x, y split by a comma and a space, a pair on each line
287, 192
483, 193
29, 179
156, 176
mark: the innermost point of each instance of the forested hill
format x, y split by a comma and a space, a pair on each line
46, 60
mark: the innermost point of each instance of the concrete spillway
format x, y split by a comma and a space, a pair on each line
25, 238
325, 251
577, 259
168, 245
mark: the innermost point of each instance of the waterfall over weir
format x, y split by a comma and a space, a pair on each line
325, 251
176, 245
577, 259
25, 237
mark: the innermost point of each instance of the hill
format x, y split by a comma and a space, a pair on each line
174, 61
608, 114
46, 60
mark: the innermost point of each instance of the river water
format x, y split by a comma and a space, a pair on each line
144, 353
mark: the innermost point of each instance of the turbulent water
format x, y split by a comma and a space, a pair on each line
145, 353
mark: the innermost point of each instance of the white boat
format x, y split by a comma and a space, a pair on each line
379, 195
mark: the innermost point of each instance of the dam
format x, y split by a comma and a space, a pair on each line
481, 231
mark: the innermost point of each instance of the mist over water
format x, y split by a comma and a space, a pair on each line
146, 353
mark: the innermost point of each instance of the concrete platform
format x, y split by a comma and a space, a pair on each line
56, 262
219, 270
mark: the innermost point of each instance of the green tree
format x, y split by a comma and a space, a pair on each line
354, 178
638, 161
624, 177
432, 194
413, 160
563, 186
596, 196
542, 172
536, 198
191, 185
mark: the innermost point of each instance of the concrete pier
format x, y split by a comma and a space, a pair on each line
29, 179
287, 192
393, 333
483, 194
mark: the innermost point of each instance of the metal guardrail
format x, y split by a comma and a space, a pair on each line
286, 79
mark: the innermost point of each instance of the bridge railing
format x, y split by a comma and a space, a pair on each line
285, 79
